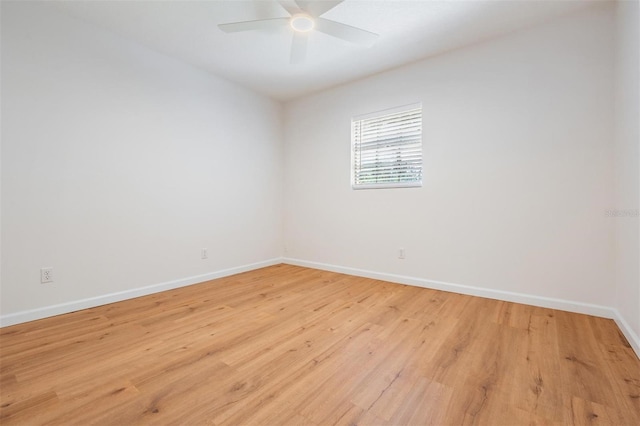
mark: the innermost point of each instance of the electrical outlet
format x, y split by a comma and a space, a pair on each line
204, 254
401, 253
46, 275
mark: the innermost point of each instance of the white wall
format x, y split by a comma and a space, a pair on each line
119, 164
517, 168
627, 165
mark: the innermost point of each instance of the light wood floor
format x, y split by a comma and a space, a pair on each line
290, 345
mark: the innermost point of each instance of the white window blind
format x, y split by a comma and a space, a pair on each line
387, 148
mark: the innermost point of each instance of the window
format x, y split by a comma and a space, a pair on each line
387, 148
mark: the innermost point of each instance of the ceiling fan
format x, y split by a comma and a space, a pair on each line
305, 17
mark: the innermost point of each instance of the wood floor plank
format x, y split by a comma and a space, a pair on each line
292, 345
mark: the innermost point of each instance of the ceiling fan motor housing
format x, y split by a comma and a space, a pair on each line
302, 22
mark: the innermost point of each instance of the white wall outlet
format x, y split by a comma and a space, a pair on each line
204, 254
401, 253
46, 275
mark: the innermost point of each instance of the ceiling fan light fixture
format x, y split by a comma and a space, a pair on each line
304, 17
302, 23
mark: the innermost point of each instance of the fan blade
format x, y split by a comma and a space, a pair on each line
346, 32
290, 6
261, 24
317, 8
298, 48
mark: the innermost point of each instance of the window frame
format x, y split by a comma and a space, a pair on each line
381, 114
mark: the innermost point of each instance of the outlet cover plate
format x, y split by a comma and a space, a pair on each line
46, 275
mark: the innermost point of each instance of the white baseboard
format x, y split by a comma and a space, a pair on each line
528, 299
92, 302
545, 302
628, 332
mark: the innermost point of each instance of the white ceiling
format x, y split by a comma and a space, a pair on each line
409, 31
